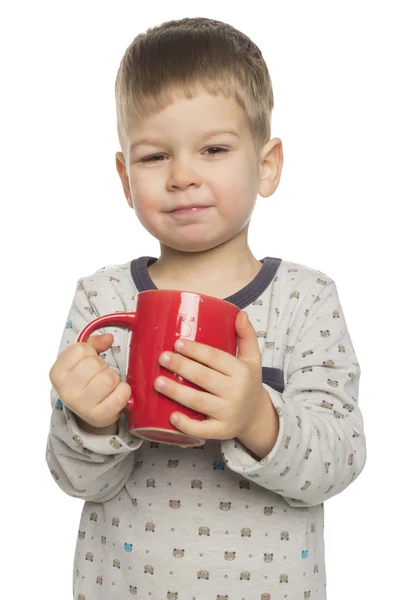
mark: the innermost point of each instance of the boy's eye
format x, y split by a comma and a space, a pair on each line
151, 158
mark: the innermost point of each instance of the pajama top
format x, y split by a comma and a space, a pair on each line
216, 522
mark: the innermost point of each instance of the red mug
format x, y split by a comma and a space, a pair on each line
160, 318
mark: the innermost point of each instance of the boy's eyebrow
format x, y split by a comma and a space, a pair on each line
205, 135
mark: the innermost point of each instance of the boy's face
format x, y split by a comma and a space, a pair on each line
178, 166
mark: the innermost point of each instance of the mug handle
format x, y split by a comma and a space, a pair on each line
124, 320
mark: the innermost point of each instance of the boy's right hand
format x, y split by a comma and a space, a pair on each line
87, 385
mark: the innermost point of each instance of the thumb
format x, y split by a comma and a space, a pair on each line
101, 342
247, 339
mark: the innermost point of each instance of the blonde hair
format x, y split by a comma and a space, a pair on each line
180, 55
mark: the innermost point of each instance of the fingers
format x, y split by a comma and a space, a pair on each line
206, 378
71, 356
110, 409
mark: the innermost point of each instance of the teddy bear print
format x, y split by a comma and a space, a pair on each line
203, 575
172, 595
332, 382
196, 483
116, 563
150, 526
225, 505
99, 579
245, 532
295, 295
287, 440
178, 552
307, 353
268, 510
283, 578
338, 415
268, 557
229, 555
78, 440
174, 503
148, 569
245, 575
285, 535
328, 363
244, 484
115, 443
203, 530
55, 474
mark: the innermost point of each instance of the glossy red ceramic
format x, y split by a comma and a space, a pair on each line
160, 318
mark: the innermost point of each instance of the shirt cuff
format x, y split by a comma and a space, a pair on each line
241, 460
120, 443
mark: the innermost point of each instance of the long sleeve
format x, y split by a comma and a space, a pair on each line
321, 445
87, 466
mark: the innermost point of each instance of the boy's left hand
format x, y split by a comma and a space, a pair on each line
234, 397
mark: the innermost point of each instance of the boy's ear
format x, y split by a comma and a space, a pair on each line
271, 162
120, 164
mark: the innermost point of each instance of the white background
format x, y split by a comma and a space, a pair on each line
334, 69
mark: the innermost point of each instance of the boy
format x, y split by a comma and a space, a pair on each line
241, 517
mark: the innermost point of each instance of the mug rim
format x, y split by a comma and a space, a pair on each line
212, 298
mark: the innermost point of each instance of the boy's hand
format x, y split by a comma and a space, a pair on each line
236, 397
87, 385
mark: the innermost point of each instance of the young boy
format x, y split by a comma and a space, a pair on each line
241, 517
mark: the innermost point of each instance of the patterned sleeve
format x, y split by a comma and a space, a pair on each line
321, 445
87, 466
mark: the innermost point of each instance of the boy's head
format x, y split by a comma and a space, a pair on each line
176, 82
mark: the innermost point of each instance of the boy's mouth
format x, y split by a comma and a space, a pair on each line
193, 210
188, 207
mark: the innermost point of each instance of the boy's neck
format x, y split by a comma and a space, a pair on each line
216, 272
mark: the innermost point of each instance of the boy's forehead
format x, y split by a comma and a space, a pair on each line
214, 115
